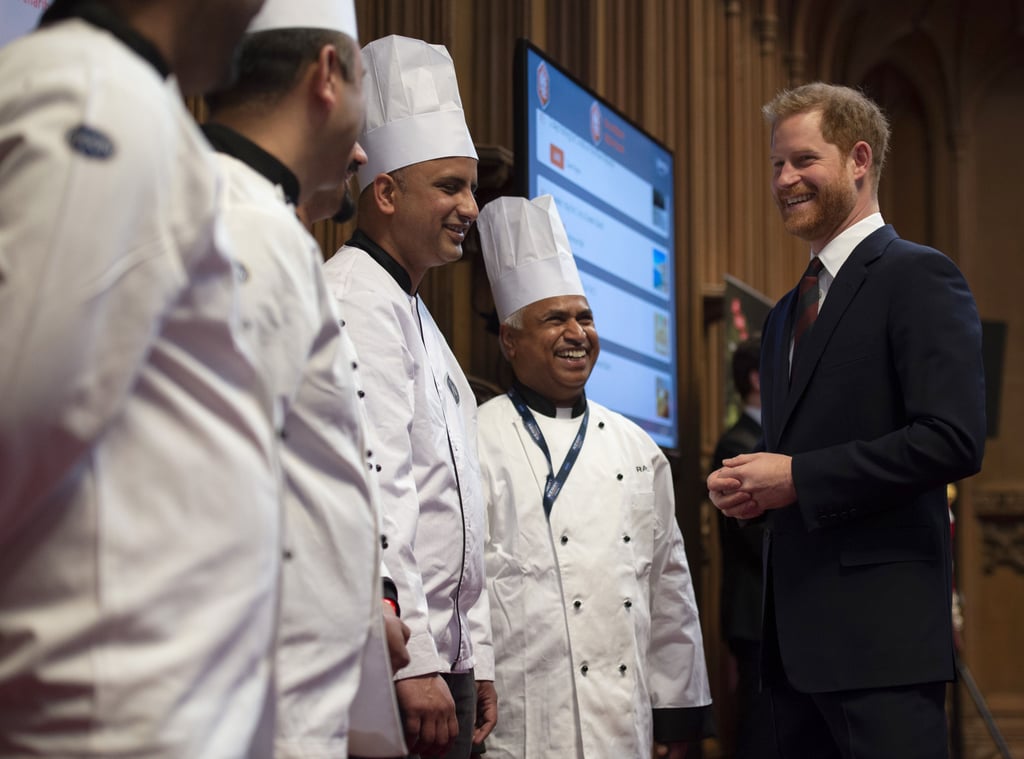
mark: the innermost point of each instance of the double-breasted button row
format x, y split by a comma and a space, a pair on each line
360, 392
577, 603
565, 539
585, 668
370, 465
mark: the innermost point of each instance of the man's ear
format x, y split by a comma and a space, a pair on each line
326, 81
861, 156
507, 341
384, 189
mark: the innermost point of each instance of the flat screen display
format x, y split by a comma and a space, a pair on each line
18, 17
614, 188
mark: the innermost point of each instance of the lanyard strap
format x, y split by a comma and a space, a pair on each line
553, 485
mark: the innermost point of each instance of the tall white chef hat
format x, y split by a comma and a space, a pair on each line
413, 109
526, 252
336, 15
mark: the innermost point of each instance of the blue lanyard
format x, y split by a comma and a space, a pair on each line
553, 485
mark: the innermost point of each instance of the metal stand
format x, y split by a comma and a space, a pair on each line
983, 710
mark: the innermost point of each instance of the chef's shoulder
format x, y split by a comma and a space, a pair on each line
82, 71
494, 414
351, 273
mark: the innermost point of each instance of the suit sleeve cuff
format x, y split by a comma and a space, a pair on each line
684, 724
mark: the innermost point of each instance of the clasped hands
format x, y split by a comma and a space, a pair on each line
750, 484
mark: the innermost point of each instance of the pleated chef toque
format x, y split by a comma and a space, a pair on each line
526, 252
413, 109
336, 15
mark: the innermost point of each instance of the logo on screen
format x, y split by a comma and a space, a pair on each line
595, 122
543, 85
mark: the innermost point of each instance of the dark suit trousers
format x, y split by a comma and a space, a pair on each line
906, 722
901, 722
755, 734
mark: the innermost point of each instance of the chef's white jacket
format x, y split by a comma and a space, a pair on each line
139, 500
331, 586
594, 623
424, 413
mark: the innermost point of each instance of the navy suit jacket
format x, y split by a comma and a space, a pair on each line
886, 406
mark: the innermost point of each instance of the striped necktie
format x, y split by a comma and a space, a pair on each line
806, 303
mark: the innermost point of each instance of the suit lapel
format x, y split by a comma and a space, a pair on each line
777, 350
842, 292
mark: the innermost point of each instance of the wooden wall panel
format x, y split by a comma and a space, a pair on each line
992, 556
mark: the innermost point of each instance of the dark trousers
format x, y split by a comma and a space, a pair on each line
755, 733
907, 722
463, 688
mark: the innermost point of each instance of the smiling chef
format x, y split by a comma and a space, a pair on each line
597, 647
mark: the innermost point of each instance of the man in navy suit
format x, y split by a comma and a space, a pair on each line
878, 405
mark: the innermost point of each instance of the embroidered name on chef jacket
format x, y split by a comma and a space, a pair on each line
90, 142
